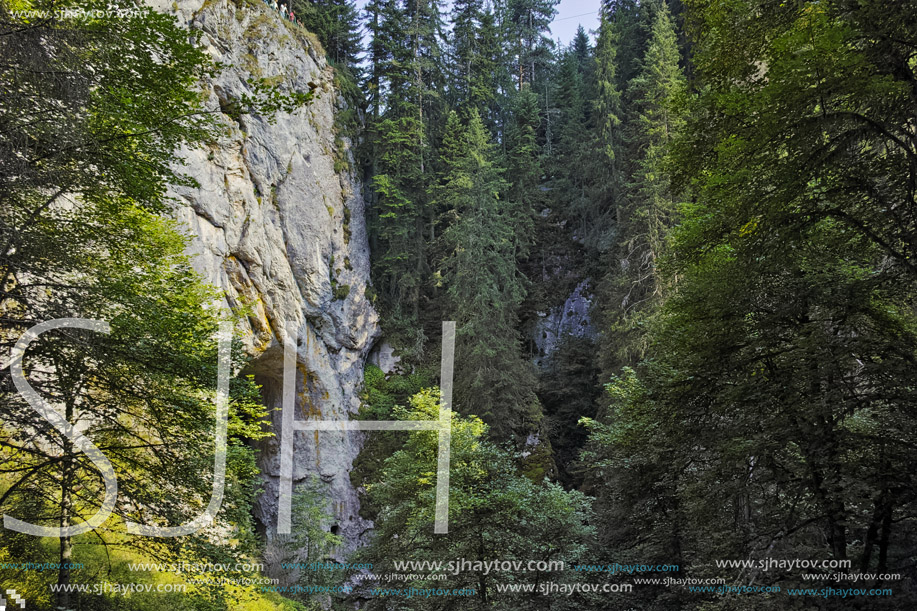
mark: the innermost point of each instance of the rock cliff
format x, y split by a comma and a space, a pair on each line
572, 319
278, 223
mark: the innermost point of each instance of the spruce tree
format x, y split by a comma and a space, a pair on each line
526, 23
523, 164
475, 56
337, 25
646, 208
409, 82
483, 286
385, 37
466, 16
608, 111
495, 76
782, 373
631, 21
575, 164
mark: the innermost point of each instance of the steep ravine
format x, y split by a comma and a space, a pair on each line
278, 224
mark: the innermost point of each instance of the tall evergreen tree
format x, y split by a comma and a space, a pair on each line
475, 56
574, 162
337, 25
523, 163
631, 21
635, 150
783, 370
494, 84
427, 75
382, 23
646, 210
608, 109
526, 23
409, 84
483, 286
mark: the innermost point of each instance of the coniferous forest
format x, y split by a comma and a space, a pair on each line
680, 252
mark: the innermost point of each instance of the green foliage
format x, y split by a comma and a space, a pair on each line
579, 185
341, 291
381, 394
336, 24
569, 390
406, 84
346, 226
311, 540
475, 58
782, 373
526, 23
347, 121
752, 233
646, 209
400, 266
523, 165
494, 513
94, 109
608, 117
635, 477
483, 286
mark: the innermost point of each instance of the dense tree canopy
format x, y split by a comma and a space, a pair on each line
495, 513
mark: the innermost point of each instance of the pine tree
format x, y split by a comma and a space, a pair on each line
646, 208
632, 476
399, 266
581, 49
483, 286
424, 36
408, 81
337, 25
381, 22
526, 23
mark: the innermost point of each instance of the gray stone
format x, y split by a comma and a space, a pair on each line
572, 319
383, 357
268, 227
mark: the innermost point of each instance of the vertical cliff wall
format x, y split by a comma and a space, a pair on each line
572, 319
278, 224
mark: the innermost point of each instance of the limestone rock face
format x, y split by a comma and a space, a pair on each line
277, 222
572, 319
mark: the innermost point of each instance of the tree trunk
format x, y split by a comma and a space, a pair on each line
62, 597
886, 535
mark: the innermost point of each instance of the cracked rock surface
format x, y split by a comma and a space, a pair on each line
277, 223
